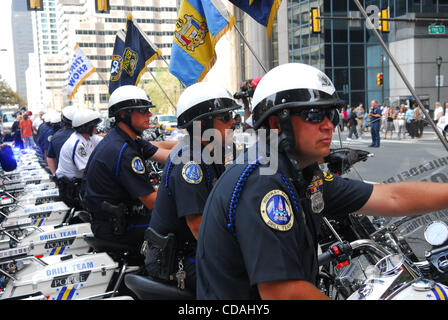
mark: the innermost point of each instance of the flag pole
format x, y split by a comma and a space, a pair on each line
250, 48
166, 95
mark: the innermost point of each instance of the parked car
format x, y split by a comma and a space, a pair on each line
7, 121
168, 122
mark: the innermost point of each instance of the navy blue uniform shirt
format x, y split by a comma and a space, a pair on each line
116, 172
57, 142
254, 229
183, 191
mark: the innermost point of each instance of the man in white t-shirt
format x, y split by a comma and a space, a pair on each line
75, 153
438, 112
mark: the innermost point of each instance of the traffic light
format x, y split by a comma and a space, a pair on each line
35, 5
102, 6
379, 79
314, 20
384, 24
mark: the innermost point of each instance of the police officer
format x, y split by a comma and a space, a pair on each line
60, 137
375, 123
53, 121
258, 237
187, 182
116, 183
75, 153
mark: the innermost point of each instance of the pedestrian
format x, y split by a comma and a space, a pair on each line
360, 114
438, 112
26, 130
259, 232
16, 132
384, 109
389, 122
401, 122
352, 124
188, 182
410, 121
375, 123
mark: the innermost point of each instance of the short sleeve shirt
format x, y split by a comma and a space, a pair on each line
115, 173
58, 141
74, 155
183, 191
262, 232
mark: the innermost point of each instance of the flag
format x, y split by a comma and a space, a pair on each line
131, 56
80, 69
200, 24
263, 11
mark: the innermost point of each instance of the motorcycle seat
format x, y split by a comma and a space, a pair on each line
147, 289
101, 245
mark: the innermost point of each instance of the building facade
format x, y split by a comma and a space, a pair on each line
63, 24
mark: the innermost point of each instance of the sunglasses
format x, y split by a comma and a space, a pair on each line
224, 117
142, 110
314, 115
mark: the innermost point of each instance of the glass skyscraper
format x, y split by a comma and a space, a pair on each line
347, 51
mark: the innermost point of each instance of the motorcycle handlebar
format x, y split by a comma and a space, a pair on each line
328, 256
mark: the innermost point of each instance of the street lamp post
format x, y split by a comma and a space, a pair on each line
439, 64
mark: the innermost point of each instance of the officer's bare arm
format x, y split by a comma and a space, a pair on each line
149, 200
290, 290
52, 164
165, 144
194, 222
406, 198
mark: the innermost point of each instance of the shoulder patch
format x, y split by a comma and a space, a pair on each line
328, 176
49, 138
138, 165
276, 210
82, 151
192, 172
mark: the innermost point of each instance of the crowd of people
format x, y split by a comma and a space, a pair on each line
397, 122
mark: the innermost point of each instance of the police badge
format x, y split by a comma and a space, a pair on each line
314, 193
138, 166
276, 210
82, 151
192, 172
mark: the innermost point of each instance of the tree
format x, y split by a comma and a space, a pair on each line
9, 96
170, 85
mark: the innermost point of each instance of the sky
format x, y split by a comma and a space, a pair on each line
6, 57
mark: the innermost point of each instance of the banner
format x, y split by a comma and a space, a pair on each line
80, 69
263, 11
132, 55
200, 24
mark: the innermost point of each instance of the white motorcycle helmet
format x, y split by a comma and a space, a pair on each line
202, 100
55, 118
128, 97
85, 120
68, 114
292, 85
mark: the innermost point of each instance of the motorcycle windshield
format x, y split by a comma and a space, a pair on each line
406, 152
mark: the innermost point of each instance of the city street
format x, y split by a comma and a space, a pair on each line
399, 160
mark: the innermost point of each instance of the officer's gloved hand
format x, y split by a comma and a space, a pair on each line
146, 148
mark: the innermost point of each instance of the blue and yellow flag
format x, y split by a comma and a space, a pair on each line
200, 24
263, 11
132, 54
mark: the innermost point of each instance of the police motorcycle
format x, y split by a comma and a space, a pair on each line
382, 258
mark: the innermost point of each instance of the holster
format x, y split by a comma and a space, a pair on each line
163, 260
118, 215
69, 190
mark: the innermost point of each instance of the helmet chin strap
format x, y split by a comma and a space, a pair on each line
127, 120
286, 145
